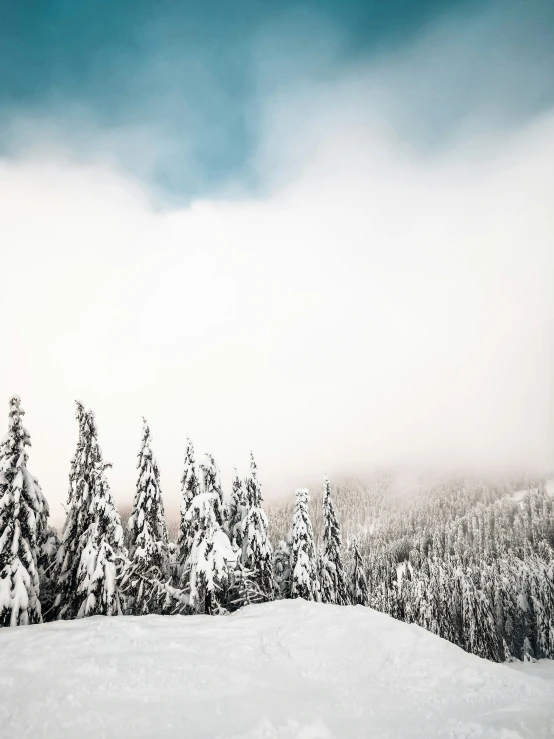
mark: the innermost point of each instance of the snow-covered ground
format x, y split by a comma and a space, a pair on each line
283, 670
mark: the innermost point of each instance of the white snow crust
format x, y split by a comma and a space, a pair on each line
282, 670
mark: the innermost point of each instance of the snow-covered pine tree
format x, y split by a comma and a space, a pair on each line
103, 548
281, 569
237, 511
92, 541
447, 594
542, 579
211, 484
242, 589
331, 572
437, 595
359, 592
417, 602
190, 487
48, 549
212, 557
525, 617
157, 596
511, 629
303, 566
68, 554
257, 552
478, 625
23, 512
148, 540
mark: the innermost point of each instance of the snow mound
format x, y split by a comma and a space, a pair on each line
284, 670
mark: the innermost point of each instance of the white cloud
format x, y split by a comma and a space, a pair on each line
375, 307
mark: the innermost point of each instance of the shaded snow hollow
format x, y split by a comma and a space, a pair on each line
279, 670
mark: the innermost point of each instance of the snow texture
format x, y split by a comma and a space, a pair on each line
281, 670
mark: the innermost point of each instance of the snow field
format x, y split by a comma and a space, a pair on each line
283, 670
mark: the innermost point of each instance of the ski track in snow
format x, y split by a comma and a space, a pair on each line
285, 670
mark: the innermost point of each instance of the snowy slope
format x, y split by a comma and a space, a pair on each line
283, 670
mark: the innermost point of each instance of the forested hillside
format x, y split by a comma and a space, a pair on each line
469, 559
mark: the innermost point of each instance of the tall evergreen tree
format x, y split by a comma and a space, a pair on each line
437, 596
23, 513
479, 632
69, 552
257, 552
92, 540
331, 572
542, 595
359, 591
190, 487
212, 557
304, 583
148, 541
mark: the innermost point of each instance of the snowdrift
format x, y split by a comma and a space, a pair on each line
285, 669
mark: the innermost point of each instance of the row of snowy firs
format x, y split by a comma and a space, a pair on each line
498, 604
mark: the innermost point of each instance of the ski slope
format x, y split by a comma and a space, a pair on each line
279, 670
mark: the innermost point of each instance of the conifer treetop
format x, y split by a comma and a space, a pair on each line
189, 480
211, 484
253, 487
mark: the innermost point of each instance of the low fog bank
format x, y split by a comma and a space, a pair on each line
397, 485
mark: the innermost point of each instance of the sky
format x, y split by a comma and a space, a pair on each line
322, 232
